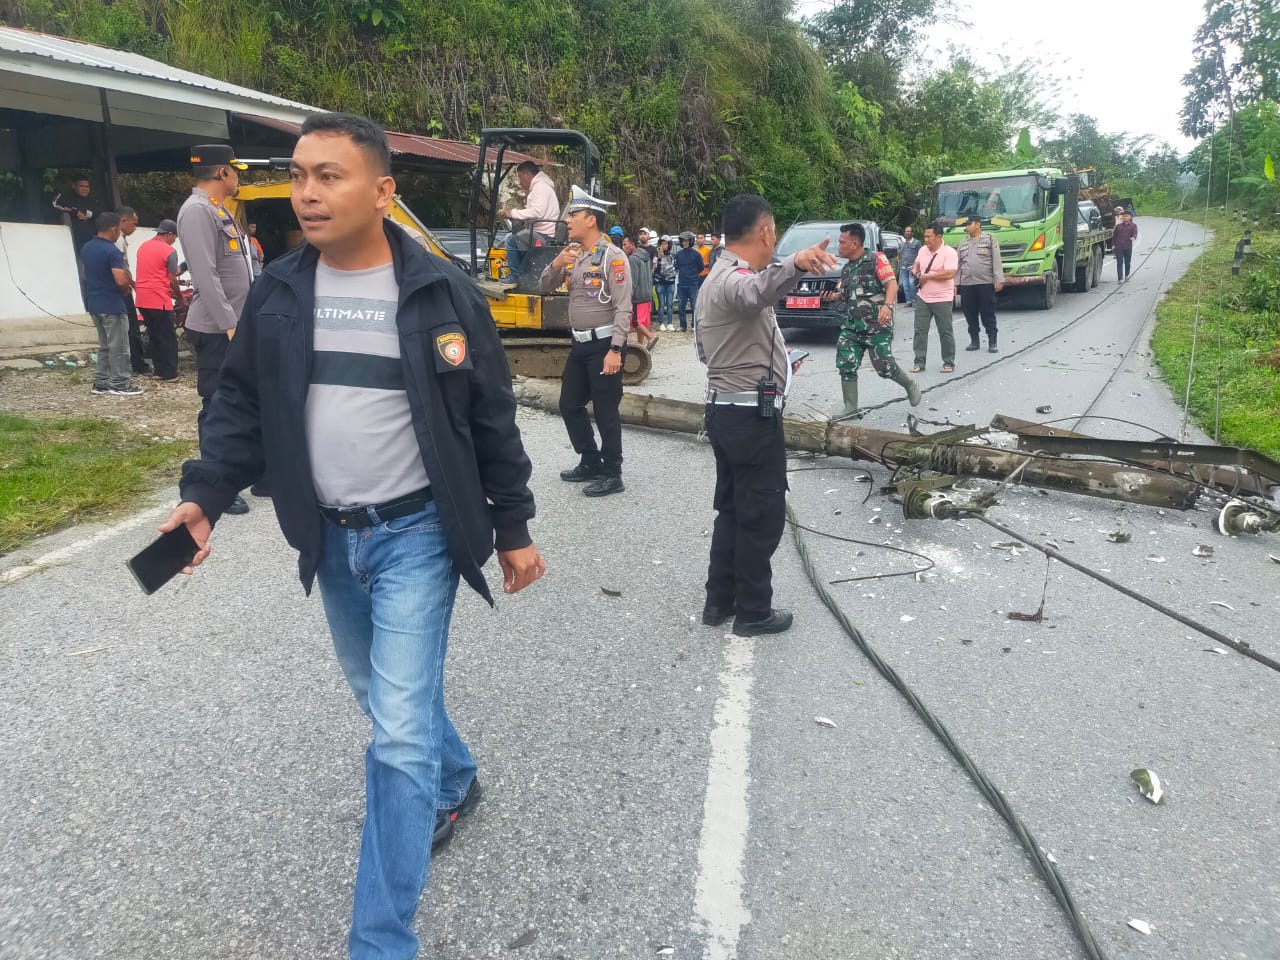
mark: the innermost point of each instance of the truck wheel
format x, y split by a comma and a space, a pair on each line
1049, 292
1082, 277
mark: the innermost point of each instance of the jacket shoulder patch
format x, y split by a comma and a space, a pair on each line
452, 348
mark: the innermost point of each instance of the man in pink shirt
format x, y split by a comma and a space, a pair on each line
935, 273
154, 290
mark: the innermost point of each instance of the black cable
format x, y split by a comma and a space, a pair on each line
1046, 868
875, 546
1239, 646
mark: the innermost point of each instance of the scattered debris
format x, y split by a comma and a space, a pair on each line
81, 653
1037, 617
906, 618
1154, 558
827, 493
1141, 926
825, 722
1221, 603
1202, 550
1273, 558
611, 591
876, 520
665, 951
1006, 649
524, 939
1215, 650
1044, 408
1148, 784
1119, 536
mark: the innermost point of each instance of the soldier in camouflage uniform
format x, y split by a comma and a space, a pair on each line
868, 290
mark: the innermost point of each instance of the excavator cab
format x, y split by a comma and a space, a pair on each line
534, 326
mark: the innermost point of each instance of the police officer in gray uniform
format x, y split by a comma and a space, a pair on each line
218, 256
599, 279
748, 374
980, 278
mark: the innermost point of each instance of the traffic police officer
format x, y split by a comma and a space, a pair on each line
980, 278
867, 290
599, 280
218, 256
748, 372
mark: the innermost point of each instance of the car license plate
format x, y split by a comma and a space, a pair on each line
804, 303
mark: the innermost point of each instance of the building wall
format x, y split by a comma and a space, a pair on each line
40, 303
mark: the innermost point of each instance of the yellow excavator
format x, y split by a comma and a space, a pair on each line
534, 326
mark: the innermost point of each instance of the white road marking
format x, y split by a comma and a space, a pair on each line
722, 849
63, 554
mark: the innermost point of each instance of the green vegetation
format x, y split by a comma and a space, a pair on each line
1236, 381
690, 101
56, 472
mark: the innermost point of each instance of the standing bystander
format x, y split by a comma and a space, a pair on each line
397, 467
664, 281
156, 287
738, 340
981, 277
689, 267
106, 280
221, 273
600, 319
641, 293
255, 251
934, 273
137, 343
906, 259
1126, 234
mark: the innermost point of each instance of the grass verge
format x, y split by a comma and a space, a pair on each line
57, 472
1235, 383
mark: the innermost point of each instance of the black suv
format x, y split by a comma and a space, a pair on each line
803, 306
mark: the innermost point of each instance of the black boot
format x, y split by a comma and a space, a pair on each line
589, 469
238, 506
604, 486
974, 344
991, 343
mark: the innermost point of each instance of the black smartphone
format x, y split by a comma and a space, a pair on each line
163, 559
796, 356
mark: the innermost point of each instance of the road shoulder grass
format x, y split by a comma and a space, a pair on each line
1236, 377
57, 472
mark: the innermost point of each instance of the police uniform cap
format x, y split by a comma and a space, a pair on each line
580, 199
214, 155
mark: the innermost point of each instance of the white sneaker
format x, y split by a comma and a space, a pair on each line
129, 391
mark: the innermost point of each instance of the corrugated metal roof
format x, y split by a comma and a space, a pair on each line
70, 60
432, 148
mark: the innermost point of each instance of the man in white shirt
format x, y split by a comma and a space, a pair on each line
537, 216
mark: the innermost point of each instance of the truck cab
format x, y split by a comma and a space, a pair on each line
1035, 217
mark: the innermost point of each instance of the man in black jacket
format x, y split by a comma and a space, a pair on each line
367, 381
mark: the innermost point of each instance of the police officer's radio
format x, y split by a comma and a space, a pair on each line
766, 397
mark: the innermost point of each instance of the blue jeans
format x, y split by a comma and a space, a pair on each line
688, 293
514, 253
908, 285
388, 594
666, 293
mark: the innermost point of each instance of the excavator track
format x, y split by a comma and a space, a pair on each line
544, 359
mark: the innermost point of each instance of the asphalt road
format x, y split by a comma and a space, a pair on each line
183, 773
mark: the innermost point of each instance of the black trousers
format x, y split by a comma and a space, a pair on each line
137, 349
751, 508
583, 381
1123, 259
164, 341
979, 300
210, 350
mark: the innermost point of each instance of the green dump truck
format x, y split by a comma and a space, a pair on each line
1049, 238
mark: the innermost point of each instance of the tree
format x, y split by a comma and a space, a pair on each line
1237, 50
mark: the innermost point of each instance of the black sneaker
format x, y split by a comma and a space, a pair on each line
100, 391
714, 615
776, 622
446, 820
129, 391
604, 486
583, 471
238, 506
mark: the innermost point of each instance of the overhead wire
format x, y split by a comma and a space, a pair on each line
4, 250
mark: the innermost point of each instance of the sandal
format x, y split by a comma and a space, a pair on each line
948, 368
920, 369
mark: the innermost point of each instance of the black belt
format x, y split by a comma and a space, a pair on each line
357, 518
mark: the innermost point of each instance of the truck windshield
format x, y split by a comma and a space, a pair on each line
806, 235
1014, 197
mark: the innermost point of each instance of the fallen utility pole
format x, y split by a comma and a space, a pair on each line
1108, 481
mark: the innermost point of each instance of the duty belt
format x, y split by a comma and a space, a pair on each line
747, 398
595, 333
357, 518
